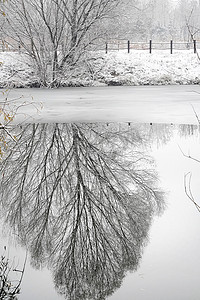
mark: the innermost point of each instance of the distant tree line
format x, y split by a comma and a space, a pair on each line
140, 20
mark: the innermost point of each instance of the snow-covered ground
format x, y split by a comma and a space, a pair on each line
115, 68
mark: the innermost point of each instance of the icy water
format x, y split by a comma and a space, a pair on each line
138, 104
103, 209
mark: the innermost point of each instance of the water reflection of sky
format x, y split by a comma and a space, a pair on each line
170, 265
169, 268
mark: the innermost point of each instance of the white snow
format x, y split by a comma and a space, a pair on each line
115, 68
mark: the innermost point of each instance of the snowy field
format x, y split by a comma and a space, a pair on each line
115, 68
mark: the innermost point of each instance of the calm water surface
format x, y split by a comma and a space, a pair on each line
102, 210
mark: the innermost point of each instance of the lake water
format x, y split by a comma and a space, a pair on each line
138, 104
104, 207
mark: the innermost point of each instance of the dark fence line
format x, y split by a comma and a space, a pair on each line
150, 46
128, 45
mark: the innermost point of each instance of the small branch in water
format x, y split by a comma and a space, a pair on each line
189, 156
196, 115
187, 185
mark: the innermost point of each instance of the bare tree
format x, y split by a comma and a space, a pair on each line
81, 197
54, 33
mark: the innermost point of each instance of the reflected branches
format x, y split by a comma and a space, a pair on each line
81, 197
10, 288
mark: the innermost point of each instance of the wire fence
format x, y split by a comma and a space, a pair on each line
127, 45
150, 46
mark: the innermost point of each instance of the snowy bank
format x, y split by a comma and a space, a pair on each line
115, 68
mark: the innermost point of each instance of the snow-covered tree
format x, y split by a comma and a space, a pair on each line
54, 33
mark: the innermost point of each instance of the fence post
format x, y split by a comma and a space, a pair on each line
171, 46
106, 48
150, 46
128, 46
19, 49
195, 46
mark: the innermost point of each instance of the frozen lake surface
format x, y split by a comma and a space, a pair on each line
157, 104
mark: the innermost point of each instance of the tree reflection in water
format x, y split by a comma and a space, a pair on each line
81, 198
